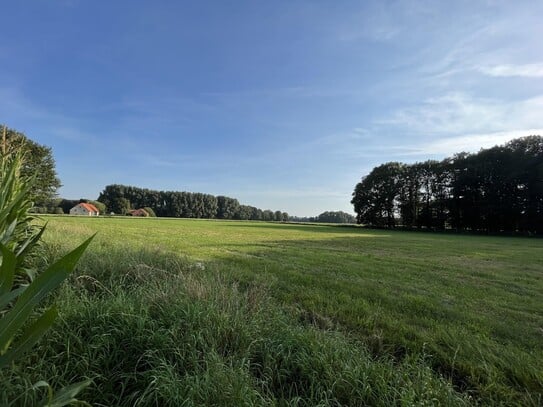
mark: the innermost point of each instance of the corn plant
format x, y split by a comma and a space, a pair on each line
21, 324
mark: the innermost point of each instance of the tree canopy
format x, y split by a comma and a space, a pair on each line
39, 163
499, 189
120, 198
335, 217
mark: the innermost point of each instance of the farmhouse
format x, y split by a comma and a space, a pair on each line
85, 209
138, 212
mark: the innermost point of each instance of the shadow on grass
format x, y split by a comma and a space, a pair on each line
310, 228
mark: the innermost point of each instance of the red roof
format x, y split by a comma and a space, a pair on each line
89, 207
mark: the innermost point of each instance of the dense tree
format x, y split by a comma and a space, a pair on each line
111, 197
178, 204
498, 189
244, 212
67, 204
267, 215
256, 214
227, 207
375, 198
335, 217
39, 163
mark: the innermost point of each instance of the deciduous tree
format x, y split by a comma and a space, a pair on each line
38, 163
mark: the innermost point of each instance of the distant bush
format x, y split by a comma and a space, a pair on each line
150, 211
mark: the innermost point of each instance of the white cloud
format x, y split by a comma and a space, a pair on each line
471, 143
452, 113
527, 70
446, 125
456, 114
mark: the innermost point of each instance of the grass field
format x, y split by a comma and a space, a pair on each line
191, 312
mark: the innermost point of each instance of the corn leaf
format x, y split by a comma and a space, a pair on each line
7, 298
7, 269
28, 244
67, 395
36, 292
31, 335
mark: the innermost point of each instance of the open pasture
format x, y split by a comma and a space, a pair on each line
224, 312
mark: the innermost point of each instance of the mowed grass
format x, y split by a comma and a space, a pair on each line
191, 312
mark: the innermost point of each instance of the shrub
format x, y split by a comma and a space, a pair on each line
150, 211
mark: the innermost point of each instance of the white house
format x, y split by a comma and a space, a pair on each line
85, 209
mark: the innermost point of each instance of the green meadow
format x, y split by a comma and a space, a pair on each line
201, 312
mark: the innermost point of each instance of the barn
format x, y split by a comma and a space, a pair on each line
85, 209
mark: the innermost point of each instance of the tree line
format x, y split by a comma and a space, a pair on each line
119, 199
499, 189
327, 217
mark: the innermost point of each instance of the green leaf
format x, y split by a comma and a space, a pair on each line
29, 244
5, 299
43, 383
37, 291
39, 384
16, 202
7, 269
66, 395
31, 335
8, 232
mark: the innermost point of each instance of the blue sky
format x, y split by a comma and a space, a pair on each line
281, 104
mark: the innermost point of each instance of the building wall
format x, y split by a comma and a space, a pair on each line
78, 210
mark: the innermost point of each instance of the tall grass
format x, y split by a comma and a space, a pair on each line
152, 328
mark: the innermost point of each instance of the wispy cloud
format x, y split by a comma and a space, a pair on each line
439, 148
22, 113
460, 113
491, 44
527, 70
451, 113
439, 126
470, 143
